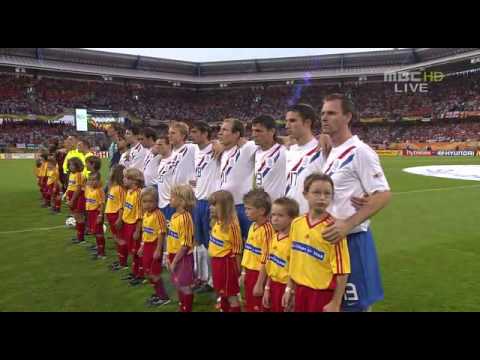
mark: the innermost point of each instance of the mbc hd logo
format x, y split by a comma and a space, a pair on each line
413, 81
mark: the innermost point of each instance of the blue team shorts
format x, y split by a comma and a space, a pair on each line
243, 220
201, 219
364, 285
168, 212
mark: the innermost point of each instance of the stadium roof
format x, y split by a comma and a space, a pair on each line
99, 63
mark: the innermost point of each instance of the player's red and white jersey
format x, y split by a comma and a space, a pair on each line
183, 164
136, 157
164, 180
150, 167
302, 161
206, 172
355, 169
270, 170
236, 170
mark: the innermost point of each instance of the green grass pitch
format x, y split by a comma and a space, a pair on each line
427, 242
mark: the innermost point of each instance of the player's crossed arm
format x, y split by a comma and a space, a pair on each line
339, 229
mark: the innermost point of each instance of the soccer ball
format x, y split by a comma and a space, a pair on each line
70, 222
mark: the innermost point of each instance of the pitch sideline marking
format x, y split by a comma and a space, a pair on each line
394, 193
31, 230
436, 189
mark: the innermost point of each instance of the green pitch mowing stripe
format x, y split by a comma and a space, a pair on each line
42, 271
427, 243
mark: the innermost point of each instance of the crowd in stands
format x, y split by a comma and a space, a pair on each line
47, 96
440, 131
38, 132
31, 132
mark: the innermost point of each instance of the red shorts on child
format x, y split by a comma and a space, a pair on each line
183, 275
225, 276
112, 219
79, 204
150, 265
276, 293
93, 227
252, 303
127, 235
311, 300
55, 190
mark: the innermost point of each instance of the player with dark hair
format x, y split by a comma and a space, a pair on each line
356, 170
305, 157
270, 158
137, 153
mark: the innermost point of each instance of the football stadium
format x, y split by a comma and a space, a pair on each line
126, 175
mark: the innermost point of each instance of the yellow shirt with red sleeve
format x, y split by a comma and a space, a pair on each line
132, 209
180, 232
225, 243
279, 258
115, 199
314, 262
53, 176
43, 170
153, 224
257, 246
38, 171
76, 182
94, 198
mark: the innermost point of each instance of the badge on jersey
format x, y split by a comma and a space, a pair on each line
270, 162
305, 161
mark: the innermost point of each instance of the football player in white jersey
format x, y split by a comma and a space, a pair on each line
355, 169
305, 156
164, 179
205, 183
112, 132
136, 154
237, 164
122, 147
147, 137
270, 158
184, 161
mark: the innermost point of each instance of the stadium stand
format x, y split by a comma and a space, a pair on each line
53, 82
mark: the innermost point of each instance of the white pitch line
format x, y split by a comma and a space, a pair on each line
436, 189
394, 193
32, 230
